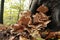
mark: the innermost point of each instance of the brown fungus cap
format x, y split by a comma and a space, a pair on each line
42, 9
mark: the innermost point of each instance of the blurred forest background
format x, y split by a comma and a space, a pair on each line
12, 9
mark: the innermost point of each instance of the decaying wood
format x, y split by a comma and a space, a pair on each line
53, 35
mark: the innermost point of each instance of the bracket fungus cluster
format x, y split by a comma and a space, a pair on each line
28, 27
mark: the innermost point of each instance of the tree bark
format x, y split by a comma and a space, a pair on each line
2, 10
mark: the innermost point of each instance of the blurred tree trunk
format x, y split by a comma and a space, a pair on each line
33, 6
2, 10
